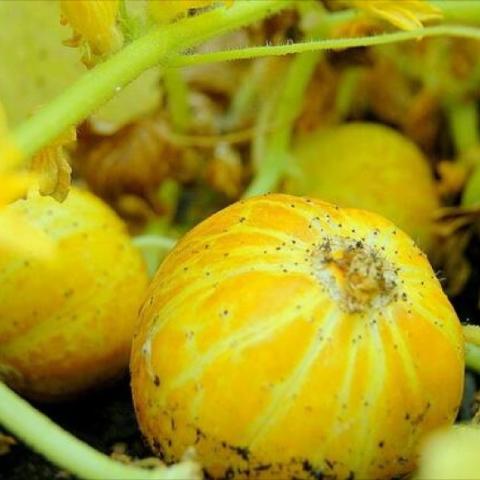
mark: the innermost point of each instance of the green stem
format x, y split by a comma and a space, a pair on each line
264, 125
463, 120
154, 241
66, 451
472, 356
289, 105
259, 72
153, 248
177, 96
271, 153
329, 44
163, 44
346, 92
155, 48
245, 95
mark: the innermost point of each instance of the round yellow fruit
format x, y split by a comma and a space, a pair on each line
66, 322
368, 166
285, 337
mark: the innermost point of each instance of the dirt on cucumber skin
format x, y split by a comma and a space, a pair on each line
101, 419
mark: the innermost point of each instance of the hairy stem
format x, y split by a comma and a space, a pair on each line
66, 451
328, 44
155, 48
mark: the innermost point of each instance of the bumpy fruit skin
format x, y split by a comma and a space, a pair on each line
368, 166
285, 337
66, 323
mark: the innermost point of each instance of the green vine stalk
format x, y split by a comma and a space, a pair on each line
156, 48
68, 452
329, 44
289, 104
177, 93
163, 47
272, 153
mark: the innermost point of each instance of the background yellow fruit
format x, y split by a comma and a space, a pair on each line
66, 323
285, 337
369, 166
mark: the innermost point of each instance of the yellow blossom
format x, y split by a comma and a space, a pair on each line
404, 14
164, 11
94, 22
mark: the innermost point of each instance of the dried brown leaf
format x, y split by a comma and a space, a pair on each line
134, 161
225, 171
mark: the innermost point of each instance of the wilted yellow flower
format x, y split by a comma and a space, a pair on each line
404, 14
164, 11
95, 22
